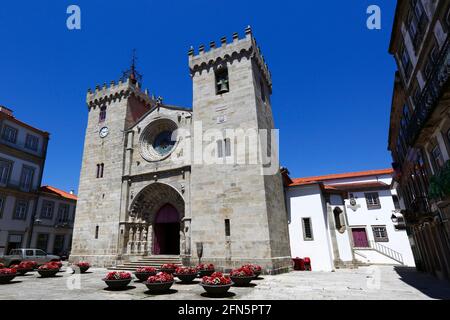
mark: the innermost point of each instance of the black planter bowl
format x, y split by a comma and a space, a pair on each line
83, 269
168, 271
242, 281
216, 290
143, 276
48, 273
257, 274
205, 273
4, 279
158, 287
23, 272
117, 284
186, 278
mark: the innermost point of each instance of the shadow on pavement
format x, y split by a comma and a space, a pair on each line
427, 284
218, 296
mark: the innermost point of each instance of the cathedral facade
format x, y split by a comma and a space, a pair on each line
162, 180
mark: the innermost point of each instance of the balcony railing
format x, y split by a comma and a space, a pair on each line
430, 95
21, 146
17, 185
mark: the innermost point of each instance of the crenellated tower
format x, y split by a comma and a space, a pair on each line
238, 213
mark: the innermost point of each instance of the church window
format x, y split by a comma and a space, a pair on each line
100, 168
102, 115
227, 227
307, 229
372, 200
380, 234
222, 82
224, 148
163, 143
219, 149
96, 232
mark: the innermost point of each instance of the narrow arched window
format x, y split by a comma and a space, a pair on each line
96, 232
102, 115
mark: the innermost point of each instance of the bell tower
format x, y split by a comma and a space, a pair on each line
238, 211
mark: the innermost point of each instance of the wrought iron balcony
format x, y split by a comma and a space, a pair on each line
430, 95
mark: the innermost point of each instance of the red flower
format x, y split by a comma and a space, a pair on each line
28, 265
205, 267
161, 277
7, 271
49, 266
83, 264
254, 267
216, 279
146, 270
169, 266
114, 275
186, 270
242, 272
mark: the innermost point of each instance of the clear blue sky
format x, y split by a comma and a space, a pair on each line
332, 76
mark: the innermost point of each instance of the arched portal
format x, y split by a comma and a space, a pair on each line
158, 210
166, 231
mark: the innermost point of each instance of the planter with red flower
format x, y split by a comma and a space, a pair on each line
242, 276
169, 268
56, 263
144, 273
117, 280
186, 274
257, 270
24, 267
83, 266
7, 274
2, 265
205, 270
159, 283
48, 270
216, 284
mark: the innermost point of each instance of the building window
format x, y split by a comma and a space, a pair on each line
224, 148
20, 212
380, 234
417, 22
227, 228
9, 134
307, 229
100, 169
437, 159
58, 244
102, 115
406, 62
416, 95
2, 205
5, 169
42, 241
26, 179
373, 200
47, 209
31, 142
63, 213
448, 136
96, 232
222, 82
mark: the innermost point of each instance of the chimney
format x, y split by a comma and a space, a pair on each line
5, 110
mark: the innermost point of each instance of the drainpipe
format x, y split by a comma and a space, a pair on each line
33, 216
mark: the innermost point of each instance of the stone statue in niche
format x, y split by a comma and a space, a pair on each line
339, 220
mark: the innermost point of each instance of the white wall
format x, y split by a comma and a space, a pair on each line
306, 202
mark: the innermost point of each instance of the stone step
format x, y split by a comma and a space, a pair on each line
151, 261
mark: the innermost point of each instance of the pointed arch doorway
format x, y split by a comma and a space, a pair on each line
166, 231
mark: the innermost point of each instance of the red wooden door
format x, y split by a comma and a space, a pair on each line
360, 238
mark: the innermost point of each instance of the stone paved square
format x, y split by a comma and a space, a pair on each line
358, 284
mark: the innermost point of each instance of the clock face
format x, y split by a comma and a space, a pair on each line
104, 132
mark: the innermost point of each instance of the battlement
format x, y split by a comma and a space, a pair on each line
105, 94
229, 51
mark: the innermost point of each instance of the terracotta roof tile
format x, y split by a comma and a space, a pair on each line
59, 192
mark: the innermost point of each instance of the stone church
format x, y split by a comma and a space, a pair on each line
135, 201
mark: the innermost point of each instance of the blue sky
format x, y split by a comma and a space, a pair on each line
332, 76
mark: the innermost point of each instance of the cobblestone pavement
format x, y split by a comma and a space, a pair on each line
377, 282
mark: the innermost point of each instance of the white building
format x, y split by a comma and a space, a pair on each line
346, 220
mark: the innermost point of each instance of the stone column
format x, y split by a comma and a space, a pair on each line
150, 240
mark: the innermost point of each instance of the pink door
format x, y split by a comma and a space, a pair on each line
360, 238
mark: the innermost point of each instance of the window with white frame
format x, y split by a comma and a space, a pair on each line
9, 134
307, 229
31, 142
2, 204
380, 234
20, 212
47, 209
405, 61
26, 179
224, 148
5, 169
63, 213
437, 158
372, 200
